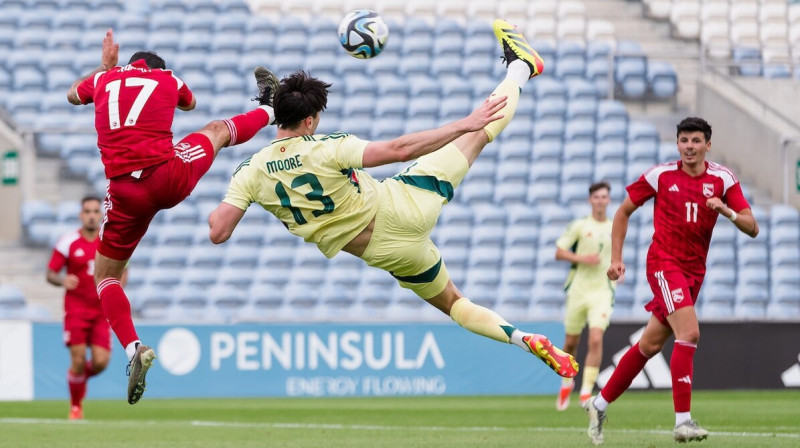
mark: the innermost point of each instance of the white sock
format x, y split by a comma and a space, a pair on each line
270, 111
566, 382
600, 403
519, 72
130, 349
681, 417
516, 339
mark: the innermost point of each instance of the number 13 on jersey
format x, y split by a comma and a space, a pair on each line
314, 195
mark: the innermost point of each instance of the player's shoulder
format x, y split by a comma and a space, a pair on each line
67, 240
721, 171
662, 168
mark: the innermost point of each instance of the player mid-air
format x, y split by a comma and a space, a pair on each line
134, 108
316, 186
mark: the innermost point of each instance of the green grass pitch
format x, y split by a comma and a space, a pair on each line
638, 419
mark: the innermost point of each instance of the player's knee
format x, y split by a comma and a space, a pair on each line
78, 365
595, 344
217, 131
99, 365
650, 348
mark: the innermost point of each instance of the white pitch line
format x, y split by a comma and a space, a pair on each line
335, 426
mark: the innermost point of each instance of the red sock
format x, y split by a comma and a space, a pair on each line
244, 126
682, 366
77, 387
117, 309
629, 366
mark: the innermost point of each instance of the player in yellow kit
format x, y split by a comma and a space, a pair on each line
590, 294
316, 186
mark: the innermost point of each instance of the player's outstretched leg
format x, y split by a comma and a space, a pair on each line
267, 84
137, 371
596, 420
689, 431
516, 47
560, 361
523, 63
485, 322
241, 128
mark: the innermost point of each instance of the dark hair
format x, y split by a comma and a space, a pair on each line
599, 185
150, 58
298, 97
90, 198
695, 124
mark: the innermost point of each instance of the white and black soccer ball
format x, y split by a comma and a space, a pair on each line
363, 34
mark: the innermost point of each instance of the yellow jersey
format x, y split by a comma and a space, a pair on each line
586, 236
314, 184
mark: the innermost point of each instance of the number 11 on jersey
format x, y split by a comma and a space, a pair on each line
691, 212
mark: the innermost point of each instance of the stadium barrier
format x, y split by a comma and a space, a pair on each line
376, 360
736, 355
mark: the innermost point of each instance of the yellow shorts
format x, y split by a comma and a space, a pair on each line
409, 207
592, 309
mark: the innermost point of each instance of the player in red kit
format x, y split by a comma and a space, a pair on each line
84, 322
134, 108
689, 195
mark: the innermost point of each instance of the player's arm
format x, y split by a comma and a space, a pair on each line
743, 220
69, 282
222, 221
108, 60
413, 146
618, 231
568, 240
191, 105
572, 257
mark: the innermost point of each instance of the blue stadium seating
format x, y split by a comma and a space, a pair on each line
564, 136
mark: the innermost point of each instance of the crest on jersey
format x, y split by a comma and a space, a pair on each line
677, 295
708, 190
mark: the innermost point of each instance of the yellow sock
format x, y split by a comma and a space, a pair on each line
589, 378
480, 320
506, 88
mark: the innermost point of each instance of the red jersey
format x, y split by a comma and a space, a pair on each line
134, 109
681, 221
77, 254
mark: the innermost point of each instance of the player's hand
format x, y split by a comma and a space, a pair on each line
484, 114
591, 259
717, 205
110, 55
616, 270
71, 282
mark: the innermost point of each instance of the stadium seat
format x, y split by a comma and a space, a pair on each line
783, 215
642, 131
662, 79
786, 256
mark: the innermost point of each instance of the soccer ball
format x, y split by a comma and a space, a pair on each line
363, 34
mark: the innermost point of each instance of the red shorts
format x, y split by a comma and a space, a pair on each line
132, 202
80, 329
672, 289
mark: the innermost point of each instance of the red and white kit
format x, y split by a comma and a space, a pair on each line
84, 322
683, 224
134, 110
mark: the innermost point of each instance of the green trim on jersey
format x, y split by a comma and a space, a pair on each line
508, 329
441, 187
241, 165
425, 277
